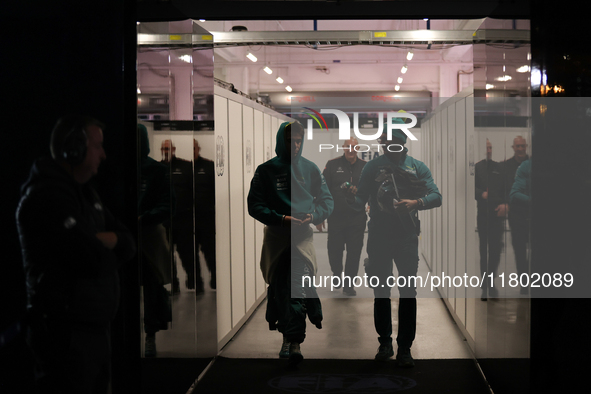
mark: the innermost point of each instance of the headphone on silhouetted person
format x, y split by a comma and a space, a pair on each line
73, 145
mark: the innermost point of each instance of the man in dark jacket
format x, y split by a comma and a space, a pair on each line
396, 186
287, 194
204, 178
492, 208
346, 226
72, 248
155, 205
519, 198
182, 222
518, 213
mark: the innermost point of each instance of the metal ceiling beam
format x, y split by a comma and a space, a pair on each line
344, 37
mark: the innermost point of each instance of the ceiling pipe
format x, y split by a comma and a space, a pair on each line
463, 72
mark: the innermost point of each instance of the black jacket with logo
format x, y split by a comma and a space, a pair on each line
71, 276
337, 172
204, 189
490, 176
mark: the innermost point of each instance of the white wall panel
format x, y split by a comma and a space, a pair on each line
236, 209
249, 222
439, 213
451, 187
223, 255
275, 122
445, 193
460, 202
261, 123
471, 239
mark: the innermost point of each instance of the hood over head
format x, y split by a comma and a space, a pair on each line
281, 149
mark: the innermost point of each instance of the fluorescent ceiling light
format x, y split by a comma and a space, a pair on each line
268, 70
201, 20
489, 86
139, 91
399, 79
186, 58
504, 78
279, 79
397, 87
409, 55
251, 57
523, 69
403, 69
288, 88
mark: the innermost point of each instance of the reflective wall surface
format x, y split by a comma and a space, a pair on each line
177, 193
503, 142
474, 144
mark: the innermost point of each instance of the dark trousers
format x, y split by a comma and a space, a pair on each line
387, 243
71, 358
288, 302
157, 308
490, 232
519, 225
184, 241
187, 247
205, 238
340, 235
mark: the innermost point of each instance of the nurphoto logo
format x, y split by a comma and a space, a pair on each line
345, 128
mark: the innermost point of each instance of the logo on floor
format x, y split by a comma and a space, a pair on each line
337, 383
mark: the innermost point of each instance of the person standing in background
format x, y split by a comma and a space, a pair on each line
490, 219
346, 226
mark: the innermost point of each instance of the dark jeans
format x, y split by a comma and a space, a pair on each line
340, 235
289, 302
71, 357
187, 248
157, 308
519, 225
490, 232
387, 242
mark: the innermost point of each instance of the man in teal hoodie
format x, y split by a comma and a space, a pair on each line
397, 186
287, 194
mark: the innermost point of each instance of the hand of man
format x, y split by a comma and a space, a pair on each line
502, 210
350, 193
108, 238
291, 221
320, 226
409, 205
307, 220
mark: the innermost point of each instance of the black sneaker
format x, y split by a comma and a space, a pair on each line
404, 359
484, 295
384, 352
284, 352
295, 354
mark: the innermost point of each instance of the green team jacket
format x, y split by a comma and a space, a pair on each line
282, 186
368, 187
521, 187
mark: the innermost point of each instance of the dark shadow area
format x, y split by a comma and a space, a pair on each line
507, 376
337, 376
170, 375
